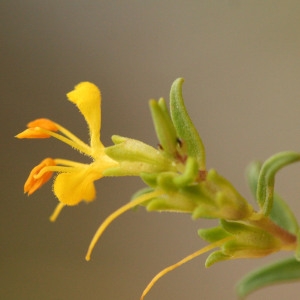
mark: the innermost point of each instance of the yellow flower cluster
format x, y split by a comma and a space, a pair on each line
75, 181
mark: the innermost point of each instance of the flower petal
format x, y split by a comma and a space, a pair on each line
87, 98
74, 187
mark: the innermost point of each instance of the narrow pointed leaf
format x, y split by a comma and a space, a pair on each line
280, 213
279, 272
266, 179
184, 125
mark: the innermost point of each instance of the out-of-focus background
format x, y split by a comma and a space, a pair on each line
241, 64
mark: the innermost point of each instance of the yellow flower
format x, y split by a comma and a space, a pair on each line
75, 181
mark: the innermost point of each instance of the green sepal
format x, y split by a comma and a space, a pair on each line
170, 203
280, 213
127, 149
212, 235
180, 194
135, 157
241, 229
209, 208
214, 257
206, 211
225, 201
165, 181
164, 127
229, 201
249, 241
266, 179
129, 168
150, 179
189, 174
279, 272
180, 199
183, 124
171, 181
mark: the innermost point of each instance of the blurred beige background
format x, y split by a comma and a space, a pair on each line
241, 62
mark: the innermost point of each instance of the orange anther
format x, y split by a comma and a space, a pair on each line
43, 123
34, 181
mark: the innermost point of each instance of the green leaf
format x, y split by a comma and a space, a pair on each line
266, 179
252, 173
183, 124
279, 272
280, 213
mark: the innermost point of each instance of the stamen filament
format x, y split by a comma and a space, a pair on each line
62, 165
116, 214
53, 169
81, 148
57, 211
70, 135
181, 262
66, 162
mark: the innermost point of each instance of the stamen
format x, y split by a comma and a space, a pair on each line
56, 211
62, 169
82, 147
43, 123
31, 133
33, 182
66, 162
181, 262
116, 214
70, 135
45, 170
